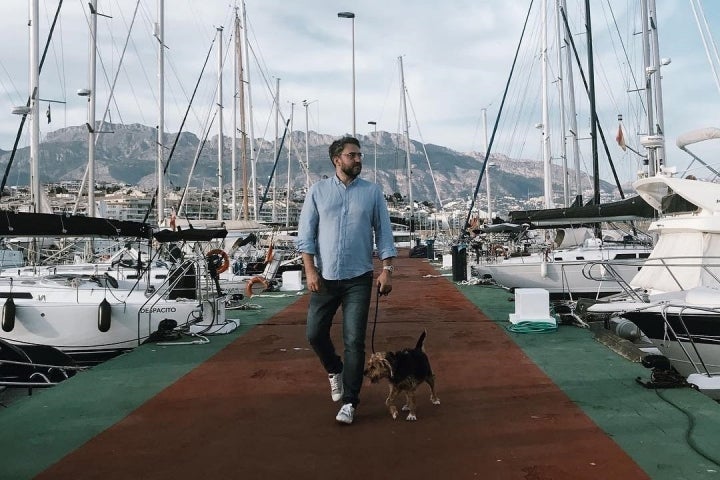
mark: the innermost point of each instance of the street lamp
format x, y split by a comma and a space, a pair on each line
351, 15
375, 138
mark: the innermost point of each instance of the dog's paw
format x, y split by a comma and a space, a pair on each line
435, 401
411, 417
405, 408
394, 413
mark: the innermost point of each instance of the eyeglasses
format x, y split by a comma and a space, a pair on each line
353, 155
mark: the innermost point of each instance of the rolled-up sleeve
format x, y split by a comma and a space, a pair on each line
384, 240
306, 241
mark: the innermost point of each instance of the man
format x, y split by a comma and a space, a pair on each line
335, 237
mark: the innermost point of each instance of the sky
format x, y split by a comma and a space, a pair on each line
456, 56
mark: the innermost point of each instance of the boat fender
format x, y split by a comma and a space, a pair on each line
220, 257
104, 311
544, 269
251, 289
8, 315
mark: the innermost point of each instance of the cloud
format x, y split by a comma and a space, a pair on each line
457, 56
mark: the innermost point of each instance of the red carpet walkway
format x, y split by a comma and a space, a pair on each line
261, 409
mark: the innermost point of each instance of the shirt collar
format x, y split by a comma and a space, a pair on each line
337, 181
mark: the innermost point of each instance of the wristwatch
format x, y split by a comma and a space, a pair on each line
389, 268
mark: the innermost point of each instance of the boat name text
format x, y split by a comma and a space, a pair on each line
158, 310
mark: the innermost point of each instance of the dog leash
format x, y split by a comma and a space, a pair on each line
377, 306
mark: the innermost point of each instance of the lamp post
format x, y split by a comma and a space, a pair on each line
374, 124
351, 15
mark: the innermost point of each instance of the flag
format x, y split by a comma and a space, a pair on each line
47, 113
620, 138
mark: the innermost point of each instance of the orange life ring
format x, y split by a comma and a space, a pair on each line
250, 288
224, 256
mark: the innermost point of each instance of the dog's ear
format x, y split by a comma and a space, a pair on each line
388, 364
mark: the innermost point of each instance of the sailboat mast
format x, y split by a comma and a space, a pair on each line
253, 154
160, 34
220, 124
593, 110
561, 96
91, 109
34, 106
277, 120
239, 75
289, 157
657, 82
651, 158
487, 170
233, 137
572, 112
407, 146
547, 158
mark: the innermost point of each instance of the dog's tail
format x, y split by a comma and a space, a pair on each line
421, 340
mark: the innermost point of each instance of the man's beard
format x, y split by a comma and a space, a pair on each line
352, 171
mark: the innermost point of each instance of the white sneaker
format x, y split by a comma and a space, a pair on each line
336, 386
346, 413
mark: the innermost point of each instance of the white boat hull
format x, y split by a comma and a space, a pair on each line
559, 278
69, 317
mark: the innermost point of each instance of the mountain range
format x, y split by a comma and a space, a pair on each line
127, 154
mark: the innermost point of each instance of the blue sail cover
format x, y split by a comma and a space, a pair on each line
24, 224
633, 208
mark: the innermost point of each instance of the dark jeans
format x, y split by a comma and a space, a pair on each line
354, 295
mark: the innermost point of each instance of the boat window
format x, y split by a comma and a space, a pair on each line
579, 258
644, 255
624, 256
674, 203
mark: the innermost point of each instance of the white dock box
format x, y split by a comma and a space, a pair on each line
532, 305
291, 281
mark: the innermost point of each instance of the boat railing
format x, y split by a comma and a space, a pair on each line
690, 338
190, 279
607, 271
708, 270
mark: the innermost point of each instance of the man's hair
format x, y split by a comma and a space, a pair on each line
338, 146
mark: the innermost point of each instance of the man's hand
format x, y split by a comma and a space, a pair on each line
384, 282
313, 279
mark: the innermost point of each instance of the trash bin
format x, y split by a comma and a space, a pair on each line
430, 248
459, 262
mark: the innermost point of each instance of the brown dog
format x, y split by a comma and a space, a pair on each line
405, 370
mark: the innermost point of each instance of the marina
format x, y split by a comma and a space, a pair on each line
153, 313
254, 403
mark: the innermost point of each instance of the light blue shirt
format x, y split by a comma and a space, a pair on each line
337, 225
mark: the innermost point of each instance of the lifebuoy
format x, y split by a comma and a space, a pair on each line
225, 259
251, 288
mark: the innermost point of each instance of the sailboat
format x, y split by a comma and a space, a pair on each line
91, 315
574, 271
